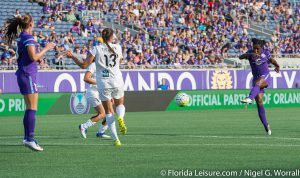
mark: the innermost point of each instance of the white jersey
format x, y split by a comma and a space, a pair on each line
92, 69
108, 74
92, 91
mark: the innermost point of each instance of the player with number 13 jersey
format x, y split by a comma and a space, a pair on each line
108, 71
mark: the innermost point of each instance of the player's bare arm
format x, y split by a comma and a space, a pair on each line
88, 78
274, 62
244, 56
82, 64
36, 56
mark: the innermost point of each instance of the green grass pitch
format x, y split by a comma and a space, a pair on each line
202, 140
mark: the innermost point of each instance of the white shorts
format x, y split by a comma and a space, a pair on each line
94, 102
92, 96
109, 93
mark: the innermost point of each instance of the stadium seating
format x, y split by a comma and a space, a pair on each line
111, 19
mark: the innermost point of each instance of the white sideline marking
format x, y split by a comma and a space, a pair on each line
244, 137
228, 137
8, 137
157, 145
192, 136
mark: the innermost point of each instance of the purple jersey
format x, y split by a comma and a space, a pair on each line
260, 66
25, 64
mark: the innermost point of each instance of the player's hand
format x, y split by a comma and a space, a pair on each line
50, 46
277, 69
69, 54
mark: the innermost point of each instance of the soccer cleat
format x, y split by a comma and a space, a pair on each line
269, 132
33, 145
102, 135
246, 101
123, 128
82, 131
23, 142
118, 143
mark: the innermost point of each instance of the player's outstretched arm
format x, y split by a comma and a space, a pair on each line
274, 62
244, 56
36, 56
82, 64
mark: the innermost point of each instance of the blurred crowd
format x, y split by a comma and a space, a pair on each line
170, 33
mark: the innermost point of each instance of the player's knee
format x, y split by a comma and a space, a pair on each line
264, 84
258, 83
112, 110
31, 106
119, 102
261, 83
102, 115
259, 101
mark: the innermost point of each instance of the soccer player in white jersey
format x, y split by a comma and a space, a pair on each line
92, 97
109, 79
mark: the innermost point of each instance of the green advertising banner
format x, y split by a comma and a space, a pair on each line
76, 103
223, 99
48, 103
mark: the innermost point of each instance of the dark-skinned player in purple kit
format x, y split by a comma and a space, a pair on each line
27, 57
259, 58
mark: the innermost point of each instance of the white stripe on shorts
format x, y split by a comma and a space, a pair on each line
31, 84
266, 76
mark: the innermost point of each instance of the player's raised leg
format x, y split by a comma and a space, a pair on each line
262, 112
258, 84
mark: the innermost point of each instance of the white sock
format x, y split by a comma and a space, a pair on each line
120, 110
110, 120
102, 128
88, 123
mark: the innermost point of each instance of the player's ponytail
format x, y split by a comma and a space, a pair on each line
14, 25
107, 34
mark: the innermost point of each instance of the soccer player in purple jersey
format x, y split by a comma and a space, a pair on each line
259, 59
27, 58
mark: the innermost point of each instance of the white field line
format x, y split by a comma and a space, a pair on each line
245, 137
191, 136
159, 145
226, 137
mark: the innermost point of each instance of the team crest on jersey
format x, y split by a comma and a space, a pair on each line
79, 104
221, 79
258, 62
263, 55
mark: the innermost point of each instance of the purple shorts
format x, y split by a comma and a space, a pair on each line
27, 83
266, 77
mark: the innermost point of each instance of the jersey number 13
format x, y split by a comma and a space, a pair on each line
110, 61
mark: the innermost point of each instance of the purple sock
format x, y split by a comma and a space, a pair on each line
25, 124
254, 92
262, 116
30, 122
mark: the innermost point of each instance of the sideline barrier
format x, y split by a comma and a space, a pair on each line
75, 103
